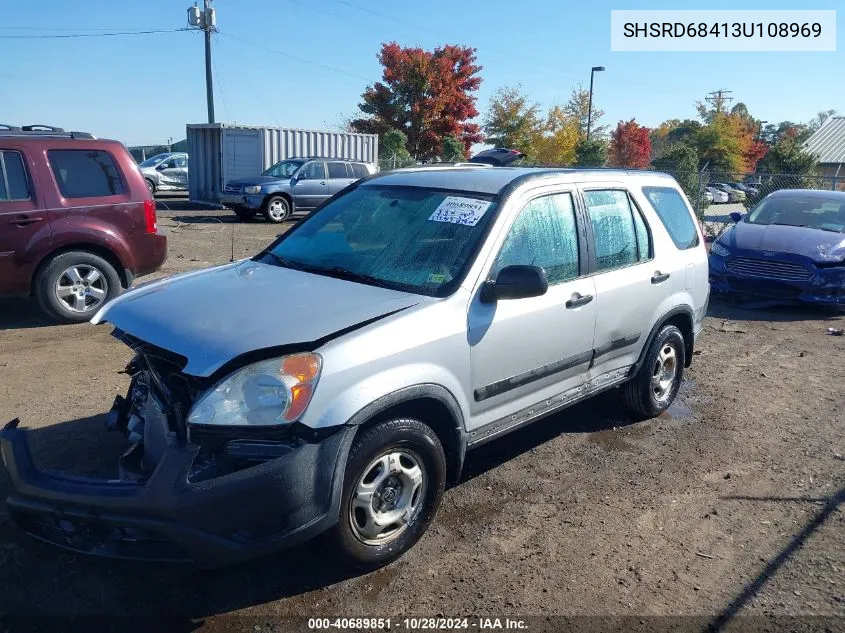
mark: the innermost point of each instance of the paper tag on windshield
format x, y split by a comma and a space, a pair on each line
457, 210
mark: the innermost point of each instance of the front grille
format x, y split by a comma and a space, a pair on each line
231, 189
774, 269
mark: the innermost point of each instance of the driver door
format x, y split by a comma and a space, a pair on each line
309, 188
527, 352
169, 172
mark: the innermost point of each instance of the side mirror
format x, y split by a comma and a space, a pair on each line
515, 282
736, 217
161, 166
300, 176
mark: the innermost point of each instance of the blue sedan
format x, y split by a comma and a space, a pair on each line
791, 246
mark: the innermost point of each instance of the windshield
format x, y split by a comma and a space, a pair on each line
793, 210
283, 169
407, 238
153, 160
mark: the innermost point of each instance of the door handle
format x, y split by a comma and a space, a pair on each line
323, 182
25, 220
659, 278
578, 301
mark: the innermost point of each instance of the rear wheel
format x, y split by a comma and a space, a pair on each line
394, 481
276, 209
73, 286
654, 387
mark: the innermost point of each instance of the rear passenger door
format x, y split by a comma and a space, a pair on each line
24, 222
340, 176
633, 283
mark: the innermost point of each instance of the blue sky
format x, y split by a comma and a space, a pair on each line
144, 89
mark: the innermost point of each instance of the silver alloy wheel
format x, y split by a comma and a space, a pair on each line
387, 497
663, 375
277, 209
82, 288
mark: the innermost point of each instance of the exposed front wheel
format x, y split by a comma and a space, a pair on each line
74, 285
151, 186
654, 387
394, 481
276, 209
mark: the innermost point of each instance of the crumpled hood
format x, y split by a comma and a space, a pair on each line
818, 245
214, 315
255, 180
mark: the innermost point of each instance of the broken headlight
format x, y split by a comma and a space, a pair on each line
271, 392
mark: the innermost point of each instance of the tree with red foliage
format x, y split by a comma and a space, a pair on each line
425, 95
630, 145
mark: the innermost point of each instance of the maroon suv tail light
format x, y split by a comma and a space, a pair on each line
150, 216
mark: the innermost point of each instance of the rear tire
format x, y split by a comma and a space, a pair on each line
244, 213
653, 388
400, 464
73, 286
276, 209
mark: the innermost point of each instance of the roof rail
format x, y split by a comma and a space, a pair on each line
11, 128
41, 130
39, 127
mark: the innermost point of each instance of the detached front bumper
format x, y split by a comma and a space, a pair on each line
248, 513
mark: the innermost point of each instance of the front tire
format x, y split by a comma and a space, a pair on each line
75, 285
276, 209
394, 481
653, 388
151, 186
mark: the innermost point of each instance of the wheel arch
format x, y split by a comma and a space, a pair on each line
87, 247
281, 194
682, 318
430, 403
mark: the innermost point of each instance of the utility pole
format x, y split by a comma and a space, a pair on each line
206, 20
719, 99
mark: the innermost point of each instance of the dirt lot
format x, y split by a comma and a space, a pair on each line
729, 505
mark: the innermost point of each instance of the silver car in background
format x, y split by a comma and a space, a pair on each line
166, 172
334, 382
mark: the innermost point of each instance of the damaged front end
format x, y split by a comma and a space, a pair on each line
212, 494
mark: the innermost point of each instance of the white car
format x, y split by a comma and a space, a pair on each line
719, 196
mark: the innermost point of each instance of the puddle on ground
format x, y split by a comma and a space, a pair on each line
616, 439
375, 583
676, 411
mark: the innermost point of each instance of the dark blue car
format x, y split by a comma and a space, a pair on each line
791, 246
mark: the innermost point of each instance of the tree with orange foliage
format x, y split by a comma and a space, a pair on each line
424, 94
630, 145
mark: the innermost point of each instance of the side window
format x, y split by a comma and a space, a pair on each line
315, 170
13, 181
544, 234
619, 231
674, 214
359, 170
338, 170
181, 161
84, 173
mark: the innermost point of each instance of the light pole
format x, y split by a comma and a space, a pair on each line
593, 71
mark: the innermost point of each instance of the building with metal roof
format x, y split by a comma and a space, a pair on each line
828, 144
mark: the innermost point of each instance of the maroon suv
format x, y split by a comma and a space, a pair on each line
77, 223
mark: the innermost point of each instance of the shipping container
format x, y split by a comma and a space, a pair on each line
220, 152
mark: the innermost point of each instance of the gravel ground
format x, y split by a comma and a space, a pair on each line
728, 505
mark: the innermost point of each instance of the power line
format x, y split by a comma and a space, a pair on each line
76, 35
295, 57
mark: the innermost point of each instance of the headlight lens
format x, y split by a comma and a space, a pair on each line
719, 250
271, 392
253, 189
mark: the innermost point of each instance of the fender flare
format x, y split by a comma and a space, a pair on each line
686, 311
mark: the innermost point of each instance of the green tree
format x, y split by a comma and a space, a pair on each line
788, 156
453, 150
393, 149
681, 161
578, 107
511, 120
591, 153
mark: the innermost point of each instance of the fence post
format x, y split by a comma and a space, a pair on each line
698, 210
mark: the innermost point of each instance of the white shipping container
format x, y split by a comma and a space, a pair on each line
220, 152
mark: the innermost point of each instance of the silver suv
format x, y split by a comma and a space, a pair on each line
335, 382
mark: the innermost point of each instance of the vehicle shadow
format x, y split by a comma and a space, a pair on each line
20, 313
40, 579
737, 309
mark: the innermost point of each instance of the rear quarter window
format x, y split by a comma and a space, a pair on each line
359, 170
14, 184
85, 173
674, 214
